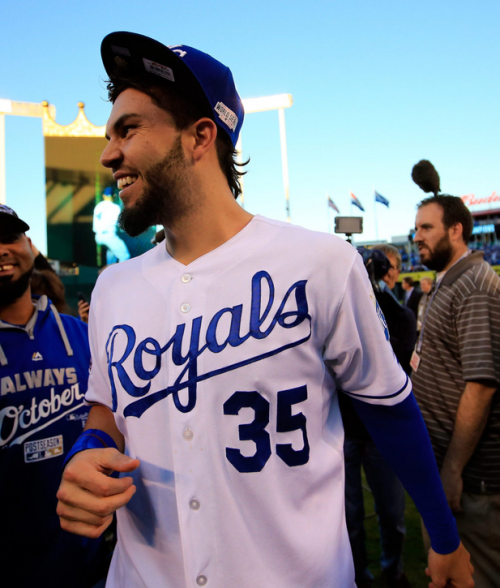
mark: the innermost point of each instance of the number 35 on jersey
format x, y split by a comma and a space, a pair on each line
256, 432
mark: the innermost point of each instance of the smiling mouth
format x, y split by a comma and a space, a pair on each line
7, 267
126, 181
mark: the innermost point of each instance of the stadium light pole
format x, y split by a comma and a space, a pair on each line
277, 102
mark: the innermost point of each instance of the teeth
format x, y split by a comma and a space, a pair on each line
6, 268
126, 181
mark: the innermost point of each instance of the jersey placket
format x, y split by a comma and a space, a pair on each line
192, 475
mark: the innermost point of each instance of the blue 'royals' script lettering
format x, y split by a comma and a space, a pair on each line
189, 376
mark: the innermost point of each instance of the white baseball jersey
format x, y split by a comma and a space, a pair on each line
223, 378
106, 215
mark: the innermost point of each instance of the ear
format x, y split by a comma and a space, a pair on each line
456, 232
201, 137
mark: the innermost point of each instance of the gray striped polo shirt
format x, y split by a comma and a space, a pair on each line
461, 344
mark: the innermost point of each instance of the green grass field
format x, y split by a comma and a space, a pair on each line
414, 556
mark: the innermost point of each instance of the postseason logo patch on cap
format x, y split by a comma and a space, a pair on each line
226, 115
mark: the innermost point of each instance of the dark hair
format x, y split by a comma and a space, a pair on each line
409, 280
454, 211
185, 110
48, 283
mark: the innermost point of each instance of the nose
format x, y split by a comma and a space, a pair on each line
111, 156
417, 237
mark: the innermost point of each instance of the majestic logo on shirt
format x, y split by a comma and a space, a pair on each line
224, 329
37, 356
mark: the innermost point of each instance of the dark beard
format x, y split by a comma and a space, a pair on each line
12, 290
441, 256
163, 196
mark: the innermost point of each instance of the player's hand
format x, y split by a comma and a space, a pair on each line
83, 310
453, 487
450, 570
87, 496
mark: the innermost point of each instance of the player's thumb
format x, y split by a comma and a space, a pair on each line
112, 459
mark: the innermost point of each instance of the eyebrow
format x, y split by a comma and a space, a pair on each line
119, 122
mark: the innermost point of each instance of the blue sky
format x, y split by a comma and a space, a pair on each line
377, 86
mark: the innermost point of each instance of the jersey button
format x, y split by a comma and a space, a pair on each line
186, 278
201, 580
187, 434
194, 504
185, 307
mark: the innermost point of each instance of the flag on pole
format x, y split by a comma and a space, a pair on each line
356, 202
332, 204
381, 199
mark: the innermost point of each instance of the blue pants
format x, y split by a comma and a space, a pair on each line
389, 497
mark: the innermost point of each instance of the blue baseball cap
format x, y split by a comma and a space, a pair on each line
195, 73
10, 222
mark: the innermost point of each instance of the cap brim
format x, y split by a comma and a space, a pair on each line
12, 224
124, 52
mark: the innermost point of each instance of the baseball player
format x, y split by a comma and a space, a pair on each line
218, 358
106, 215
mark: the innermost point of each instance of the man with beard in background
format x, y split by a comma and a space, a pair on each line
456, 374
44, 362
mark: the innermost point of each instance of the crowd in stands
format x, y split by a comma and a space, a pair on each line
491, 251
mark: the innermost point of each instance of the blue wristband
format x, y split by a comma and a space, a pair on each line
90, 439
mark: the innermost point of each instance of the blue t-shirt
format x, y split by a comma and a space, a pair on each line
42, 413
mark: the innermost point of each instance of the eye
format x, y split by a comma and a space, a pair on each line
128, 128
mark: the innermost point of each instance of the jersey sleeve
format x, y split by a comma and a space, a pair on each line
358, 350
366, 369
